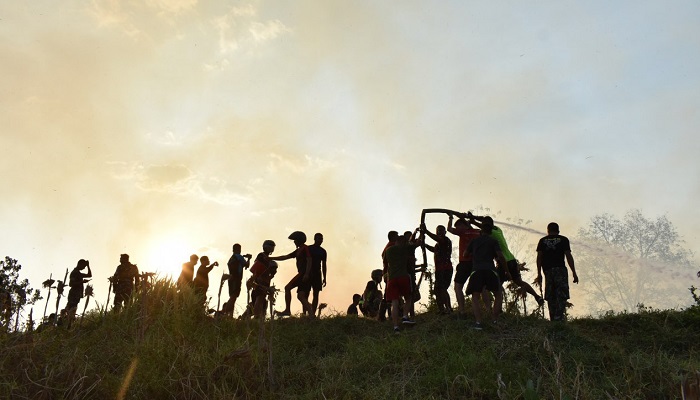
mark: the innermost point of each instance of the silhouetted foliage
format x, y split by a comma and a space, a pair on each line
631, 261
14, 293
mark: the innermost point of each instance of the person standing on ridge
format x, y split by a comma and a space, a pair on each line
301, 280
443, 267
125, 279
512, 270
319, 269
483, 250
201, 281
77, 286
186, 277
398, 281
466, 233
263, 270
384, 307
552, 250
236, 264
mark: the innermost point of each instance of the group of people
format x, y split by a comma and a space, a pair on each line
480, 244
310, 279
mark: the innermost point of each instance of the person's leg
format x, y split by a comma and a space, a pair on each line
259, 306
459, 295
395, 313
294, 282
498, 306
408, 308
305, 305
314, 301
488, 299
476, 306
514, 270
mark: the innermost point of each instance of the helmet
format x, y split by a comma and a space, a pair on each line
377, 274
268, 243
298, 236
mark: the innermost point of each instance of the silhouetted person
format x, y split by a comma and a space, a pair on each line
512, 272
352, 308
236, 264
412, 269
372, 297
443, 266
301, 280
77, 286
201, 281
186, 277
384, 308
483, 251
125, 278
263, 270
398, 281
319, 269
552, 250
466, 233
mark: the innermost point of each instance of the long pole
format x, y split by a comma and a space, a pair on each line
48, 284
59, 291
109, 292
224, 278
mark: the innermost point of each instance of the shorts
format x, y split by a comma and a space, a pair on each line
443, 279
398, 287
514, 272
74, 297
298, 282
316, 281
464, 269
483, 278
234, 286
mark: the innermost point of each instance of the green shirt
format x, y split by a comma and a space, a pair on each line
497, 234
397, 258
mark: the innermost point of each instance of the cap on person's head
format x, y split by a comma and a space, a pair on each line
553, 227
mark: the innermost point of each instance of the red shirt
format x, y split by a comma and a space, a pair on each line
465, 237
260, 270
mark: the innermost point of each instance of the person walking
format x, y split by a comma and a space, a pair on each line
552, 250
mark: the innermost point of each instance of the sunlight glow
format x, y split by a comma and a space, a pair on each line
165, 256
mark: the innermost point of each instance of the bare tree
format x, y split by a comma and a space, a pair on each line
626, 262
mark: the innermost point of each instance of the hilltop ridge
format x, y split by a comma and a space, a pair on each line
164, 346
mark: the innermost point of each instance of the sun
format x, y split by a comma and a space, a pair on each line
166, 255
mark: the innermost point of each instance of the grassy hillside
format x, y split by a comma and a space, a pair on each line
165, 347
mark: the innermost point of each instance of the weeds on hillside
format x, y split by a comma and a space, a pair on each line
164, 345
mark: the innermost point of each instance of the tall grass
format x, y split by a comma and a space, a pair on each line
164, 345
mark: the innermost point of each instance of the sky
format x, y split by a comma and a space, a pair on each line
165, 128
